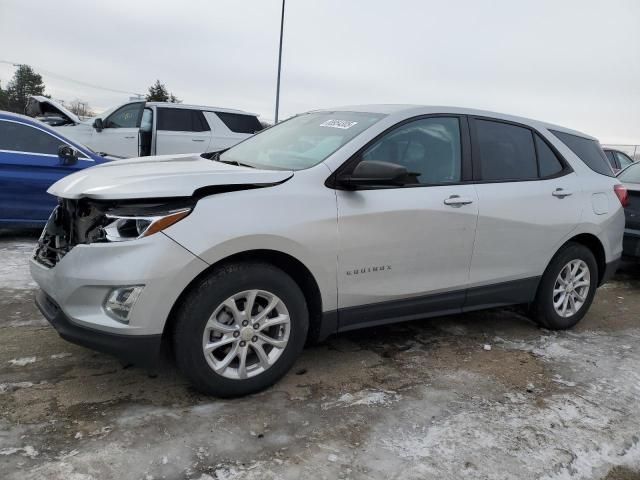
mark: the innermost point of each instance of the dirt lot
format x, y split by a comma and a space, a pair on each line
414, 401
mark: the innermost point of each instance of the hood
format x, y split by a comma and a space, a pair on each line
159, 177
39, 107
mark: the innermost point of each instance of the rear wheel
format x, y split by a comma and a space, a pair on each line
567, 288
240, 329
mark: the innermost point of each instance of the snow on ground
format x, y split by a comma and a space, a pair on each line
14, 267
413, 401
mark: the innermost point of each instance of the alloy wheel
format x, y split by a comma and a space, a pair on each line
571, 288
246, 334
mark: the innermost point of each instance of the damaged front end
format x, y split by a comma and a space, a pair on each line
86, 221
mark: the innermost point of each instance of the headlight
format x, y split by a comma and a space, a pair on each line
120, 228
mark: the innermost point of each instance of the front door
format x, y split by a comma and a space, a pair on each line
119, 135
29, 164
407, 250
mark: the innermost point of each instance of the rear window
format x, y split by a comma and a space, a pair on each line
181, 120
587, 150
239, 123
631, 174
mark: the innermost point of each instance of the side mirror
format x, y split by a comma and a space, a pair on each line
98, 125
372, 173
67, 155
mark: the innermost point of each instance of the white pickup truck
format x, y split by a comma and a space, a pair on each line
140, 128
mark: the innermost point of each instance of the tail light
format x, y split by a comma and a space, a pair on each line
622, 194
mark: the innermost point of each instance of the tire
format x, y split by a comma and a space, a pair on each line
235, 284
570, 256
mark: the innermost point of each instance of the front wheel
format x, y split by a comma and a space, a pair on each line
567, 288
240, 329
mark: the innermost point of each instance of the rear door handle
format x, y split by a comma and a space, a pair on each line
457, 201
561, 193
132, 136
197, 140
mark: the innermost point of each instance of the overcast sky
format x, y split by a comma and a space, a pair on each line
571, 62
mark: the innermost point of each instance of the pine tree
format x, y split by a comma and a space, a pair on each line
4, 102
25, 82
158, 93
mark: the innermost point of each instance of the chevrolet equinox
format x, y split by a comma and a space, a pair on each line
330, 221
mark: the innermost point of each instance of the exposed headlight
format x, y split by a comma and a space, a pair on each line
130, 227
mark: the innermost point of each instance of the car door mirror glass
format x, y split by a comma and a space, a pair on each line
67, 155
98, 125
377, 173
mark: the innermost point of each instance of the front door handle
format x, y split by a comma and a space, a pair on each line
197, 140
561, 193
457, 201
132, 136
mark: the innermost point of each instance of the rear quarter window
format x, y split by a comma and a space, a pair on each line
587, 150
240, 123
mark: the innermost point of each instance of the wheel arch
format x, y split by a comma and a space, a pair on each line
594, 244
298, 271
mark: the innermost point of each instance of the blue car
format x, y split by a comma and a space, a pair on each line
32, 157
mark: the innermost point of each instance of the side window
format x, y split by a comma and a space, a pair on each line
587, 150
623, 160
506, 151
127, 116
18, 137
428, 148
240, 123
548, 162
181, 120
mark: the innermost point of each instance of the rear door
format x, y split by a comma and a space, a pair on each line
529, 201
120, 133
409, 246
29, 164
181, 130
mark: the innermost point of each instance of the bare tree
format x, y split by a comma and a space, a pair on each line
80, 108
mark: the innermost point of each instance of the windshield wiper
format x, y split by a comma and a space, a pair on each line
215, 156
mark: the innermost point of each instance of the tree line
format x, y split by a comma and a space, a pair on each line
26, 82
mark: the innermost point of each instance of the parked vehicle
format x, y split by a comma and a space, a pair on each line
150, 128
330, 221
617, 159
630, 178
33, 157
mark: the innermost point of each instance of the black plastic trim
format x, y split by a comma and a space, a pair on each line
458, 301
475, 153
500, 294
141, 350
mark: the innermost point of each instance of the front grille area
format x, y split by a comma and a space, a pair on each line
72, 222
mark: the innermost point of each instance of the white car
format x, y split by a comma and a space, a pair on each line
330, 221
141, 128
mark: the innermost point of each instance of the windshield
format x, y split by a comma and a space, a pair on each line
300, 142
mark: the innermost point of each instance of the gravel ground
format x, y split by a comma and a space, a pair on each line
419, 400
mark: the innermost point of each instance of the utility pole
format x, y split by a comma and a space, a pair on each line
279, 63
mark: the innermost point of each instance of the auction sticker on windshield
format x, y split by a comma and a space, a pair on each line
343, 124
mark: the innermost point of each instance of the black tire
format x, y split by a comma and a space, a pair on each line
199, 304
543, 311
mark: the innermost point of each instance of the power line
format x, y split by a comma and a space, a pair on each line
72, 80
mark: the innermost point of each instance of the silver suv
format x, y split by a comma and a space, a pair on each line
330, 221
